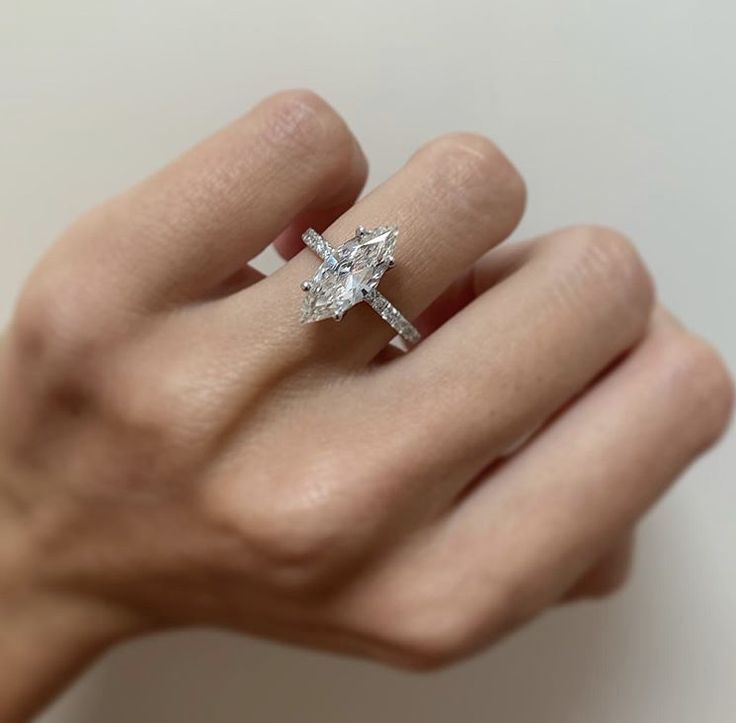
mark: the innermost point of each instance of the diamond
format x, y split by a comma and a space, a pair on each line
349, 274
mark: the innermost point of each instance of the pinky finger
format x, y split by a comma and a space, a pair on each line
608, 575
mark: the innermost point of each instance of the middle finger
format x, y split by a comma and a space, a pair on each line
456, 198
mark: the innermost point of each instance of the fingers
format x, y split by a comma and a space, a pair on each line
289, 243
567, 307
564, 499
517, 541
455, 199
196, 223
608, 574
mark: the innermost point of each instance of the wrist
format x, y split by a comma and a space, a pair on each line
48, 631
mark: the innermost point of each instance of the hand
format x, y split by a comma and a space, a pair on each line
176, 449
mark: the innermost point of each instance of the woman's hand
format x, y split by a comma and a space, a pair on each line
176, 449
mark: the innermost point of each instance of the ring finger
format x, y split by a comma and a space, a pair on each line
455, 199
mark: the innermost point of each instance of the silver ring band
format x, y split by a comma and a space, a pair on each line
391, 315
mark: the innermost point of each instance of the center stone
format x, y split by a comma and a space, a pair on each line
348, 273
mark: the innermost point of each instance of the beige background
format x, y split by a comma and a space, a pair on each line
618, 111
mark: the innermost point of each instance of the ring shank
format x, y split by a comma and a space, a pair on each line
392, 316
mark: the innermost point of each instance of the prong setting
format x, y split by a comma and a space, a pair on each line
350, 274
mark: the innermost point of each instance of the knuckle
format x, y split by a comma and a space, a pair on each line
298, 536
145, 405
511, 601
601, 582
301, 535
469, 151
55, 321
147, 437
472, 172
606, 261
610, 586
161, 402
705, 388
427, 628
429, 642
597, 590
307, 124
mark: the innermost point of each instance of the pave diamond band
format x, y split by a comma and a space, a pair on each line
390, 314
349, 274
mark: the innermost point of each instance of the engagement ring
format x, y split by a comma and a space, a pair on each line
350, 274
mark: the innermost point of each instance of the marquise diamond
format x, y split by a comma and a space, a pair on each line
349, 274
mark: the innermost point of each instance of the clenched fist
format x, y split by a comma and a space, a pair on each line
176, 448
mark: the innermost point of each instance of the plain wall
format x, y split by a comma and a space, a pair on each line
617, 111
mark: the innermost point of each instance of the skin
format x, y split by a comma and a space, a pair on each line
177, 450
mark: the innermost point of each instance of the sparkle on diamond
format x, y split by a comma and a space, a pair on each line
348, 273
